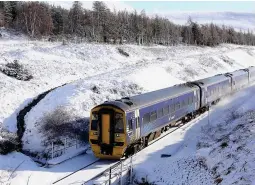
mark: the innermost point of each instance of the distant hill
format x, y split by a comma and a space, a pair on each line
238, 20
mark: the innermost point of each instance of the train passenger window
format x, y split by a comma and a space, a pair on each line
160, 113
190, 100
177, 105
183, 103
165, 110
187, 101
146, 118
94, 122
172, 108
119, 124
130, 127
153, 116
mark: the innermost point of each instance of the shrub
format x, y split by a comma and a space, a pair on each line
16, 70
144, 181
224, 144
59, 123
8, 142
218, 180
95, 89
122, 52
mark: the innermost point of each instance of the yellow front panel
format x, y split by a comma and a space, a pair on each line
106, 128
117, 150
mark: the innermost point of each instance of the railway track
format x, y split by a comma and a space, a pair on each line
88, 165
171, 130
116, 164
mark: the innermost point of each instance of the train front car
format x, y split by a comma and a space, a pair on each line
107, 134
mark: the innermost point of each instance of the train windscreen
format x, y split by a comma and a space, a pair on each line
119, 124
94, 122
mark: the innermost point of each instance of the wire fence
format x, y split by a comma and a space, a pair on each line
121, 173
60, 147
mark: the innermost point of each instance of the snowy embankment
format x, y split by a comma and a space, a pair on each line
99, 72
219, 149
153, 68
96, 73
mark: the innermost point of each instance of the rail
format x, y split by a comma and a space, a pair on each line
119, 173
124, 168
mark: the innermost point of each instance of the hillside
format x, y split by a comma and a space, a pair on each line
92, 73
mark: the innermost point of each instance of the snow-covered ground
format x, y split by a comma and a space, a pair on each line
150, 68
95, 73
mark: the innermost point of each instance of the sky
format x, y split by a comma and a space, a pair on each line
197, 6
159, 7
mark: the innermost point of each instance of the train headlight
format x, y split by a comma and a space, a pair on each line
117, 135
95, 133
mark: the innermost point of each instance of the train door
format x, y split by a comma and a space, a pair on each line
106, 126
204, 93
106, 131
137, 124
198, 98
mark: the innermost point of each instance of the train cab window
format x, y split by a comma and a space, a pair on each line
160, 113
119, 124
146, 118
165, 110
94, 121
153, 116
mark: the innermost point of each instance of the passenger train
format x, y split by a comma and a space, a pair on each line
122, 127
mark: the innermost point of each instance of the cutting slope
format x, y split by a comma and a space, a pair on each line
163, 67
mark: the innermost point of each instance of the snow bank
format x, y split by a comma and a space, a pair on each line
95, 73
227, 143
115, 76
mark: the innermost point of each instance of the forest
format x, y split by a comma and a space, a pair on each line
40, 19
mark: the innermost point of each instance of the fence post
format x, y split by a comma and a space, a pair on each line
76, 142
209, 114
121, 165
65, 145
52, 150
110, 173
131, 171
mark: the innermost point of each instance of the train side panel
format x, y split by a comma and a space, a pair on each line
216, 91
240, 79
156, 116
251, 74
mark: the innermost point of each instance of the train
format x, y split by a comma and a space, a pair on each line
124, 126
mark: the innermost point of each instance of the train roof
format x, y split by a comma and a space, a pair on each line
251, 68
212, 80
238, 72
135, 102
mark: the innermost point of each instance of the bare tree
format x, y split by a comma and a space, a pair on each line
36, 18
